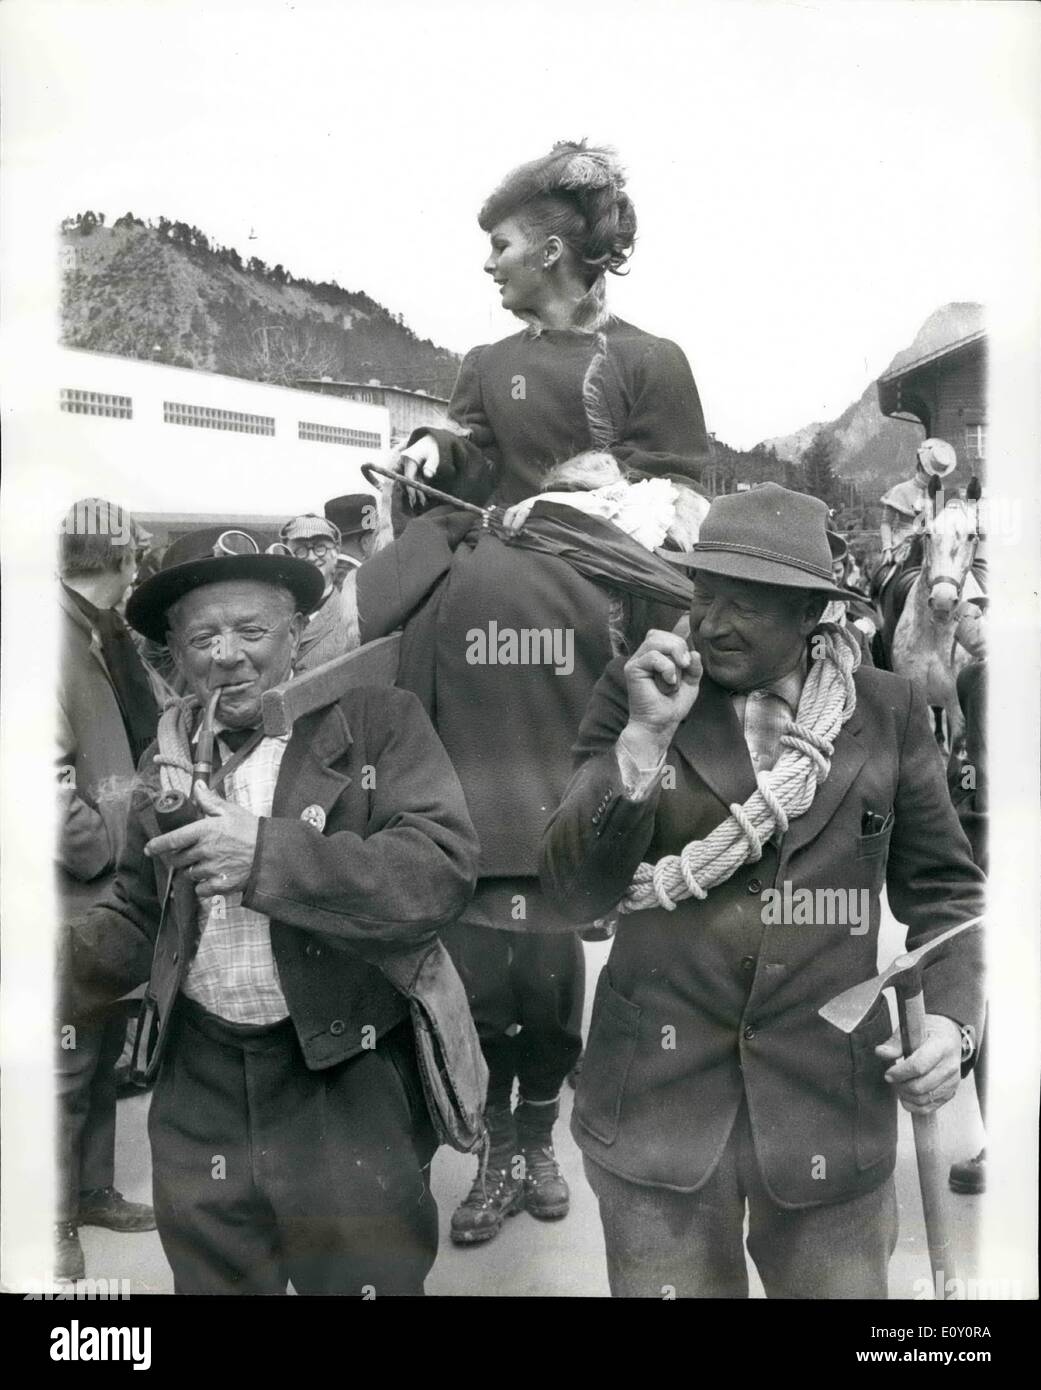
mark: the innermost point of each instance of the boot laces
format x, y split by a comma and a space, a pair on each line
541, 1162
489, 1184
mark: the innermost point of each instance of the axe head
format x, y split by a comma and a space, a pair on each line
852, 1006
374, 664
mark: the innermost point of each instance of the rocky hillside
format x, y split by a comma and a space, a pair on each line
164, 293
866, 445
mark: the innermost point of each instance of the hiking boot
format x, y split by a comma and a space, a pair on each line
104, 1206
495, 1195
546, 1193
69, 1264
970, 1176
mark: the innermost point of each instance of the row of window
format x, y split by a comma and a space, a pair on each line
97, 403
335, 434
213, 418
209, 417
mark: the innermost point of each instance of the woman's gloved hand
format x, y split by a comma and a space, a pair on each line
420, 460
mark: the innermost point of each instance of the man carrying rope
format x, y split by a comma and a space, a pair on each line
743, 803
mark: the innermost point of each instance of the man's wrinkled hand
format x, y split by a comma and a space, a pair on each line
929, 1077
216, 851
663, 677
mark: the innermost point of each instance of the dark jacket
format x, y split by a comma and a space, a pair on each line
95, 766
395, 862
508, 727
704, 1005
531, 401
329, 633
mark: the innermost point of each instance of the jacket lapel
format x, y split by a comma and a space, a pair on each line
79, 619
711, 741
305, 777
318, 626
849, 757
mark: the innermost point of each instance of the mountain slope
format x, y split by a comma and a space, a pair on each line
164, 294
866, 445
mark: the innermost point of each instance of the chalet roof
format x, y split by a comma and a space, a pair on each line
960, 345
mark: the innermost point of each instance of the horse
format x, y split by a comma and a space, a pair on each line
923, 644
854, 577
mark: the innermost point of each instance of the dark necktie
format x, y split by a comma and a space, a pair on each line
235, 738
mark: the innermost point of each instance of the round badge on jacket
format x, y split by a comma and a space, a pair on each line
313, 815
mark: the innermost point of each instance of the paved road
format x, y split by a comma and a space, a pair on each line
533, 1258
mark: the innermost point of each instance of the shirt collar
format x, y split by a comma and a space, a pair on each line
787, 687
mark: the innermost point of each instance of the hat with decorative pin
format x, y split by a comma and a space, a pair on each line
211, 556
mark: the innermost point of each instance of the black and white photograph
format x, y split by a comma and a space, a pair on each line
521, 548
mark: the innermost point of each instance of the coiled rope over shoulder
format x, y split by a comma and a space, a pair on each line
828, 699
174, 754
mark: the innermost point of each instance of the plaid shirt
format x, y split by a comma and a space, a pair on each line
764, 715
234, 974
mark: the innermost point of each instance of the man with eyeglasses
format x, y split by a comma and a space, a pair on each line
332, 628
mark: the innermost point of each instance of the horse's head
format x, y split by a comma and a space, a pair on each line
949, 548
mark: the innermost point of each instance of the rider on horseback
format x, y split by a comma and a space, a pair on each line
901, 506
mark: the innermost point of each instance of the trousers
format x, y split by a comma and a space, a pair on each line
690, 1244
265, 1173
86, 1109
534, 982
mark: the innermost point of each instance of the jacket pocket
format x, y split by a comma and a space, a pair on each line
868, 846
875, 1119
605, 1068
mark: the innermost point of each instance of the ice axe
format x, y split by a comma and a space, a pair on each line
849, 1009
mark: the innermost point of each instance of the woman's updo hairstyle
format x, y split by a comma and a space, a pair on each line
577, 194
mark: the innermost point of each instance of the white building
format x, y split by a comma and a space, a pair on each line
408, 409
161, 439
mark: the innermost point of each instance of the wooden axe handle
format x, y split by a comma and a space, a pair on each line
928, 1151
376, 663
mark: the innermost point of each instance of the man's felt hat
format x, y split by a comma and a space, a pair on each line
198, 559
767, 535
353, 513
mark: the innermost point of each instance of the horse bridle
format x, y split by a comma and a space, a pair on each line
957, 584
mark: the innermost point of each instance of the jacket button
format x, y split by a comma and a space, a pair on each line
749, 1033
336, 1027
748, 962
755, 885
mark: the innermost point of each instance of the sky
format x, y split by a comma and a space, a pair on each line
811, 180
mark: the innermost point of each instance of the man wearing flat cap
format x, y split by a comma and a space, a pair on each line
716, 786
290, 1138
329, 631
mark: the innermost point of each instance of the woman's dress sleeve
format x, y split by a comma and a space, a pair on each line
665, 429
471, 462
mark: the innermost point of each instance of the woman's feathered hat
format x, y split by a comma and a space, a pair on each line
570, 167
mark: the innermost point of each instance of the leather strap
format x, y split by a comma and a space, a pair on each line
226, 769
